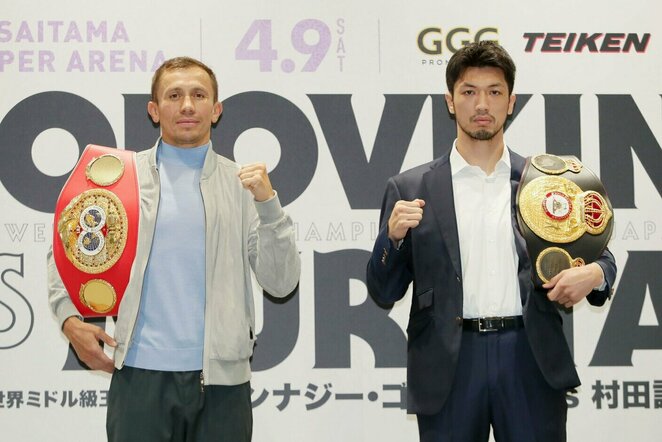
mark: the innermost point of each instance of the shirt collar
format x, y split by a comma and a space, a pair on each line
459, 164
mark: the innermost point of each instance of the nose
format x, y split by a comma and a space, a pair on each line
481, 102
187, 104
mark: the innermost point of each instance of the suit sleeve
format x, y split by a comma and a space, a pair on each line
608, 264
389, 272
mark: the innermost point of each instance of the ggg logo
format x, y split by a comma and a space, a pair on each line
433, 41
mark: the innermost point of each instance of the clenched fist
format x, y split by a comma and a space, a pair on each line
254, 177
405, 215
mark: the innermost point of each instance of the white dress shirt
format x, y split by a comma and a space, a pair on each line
487, 245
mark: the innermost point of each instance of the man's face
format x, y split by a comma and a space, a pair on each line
185, 109
480, 102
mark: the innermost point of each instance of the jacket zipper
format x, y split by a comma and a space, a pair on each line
205, 342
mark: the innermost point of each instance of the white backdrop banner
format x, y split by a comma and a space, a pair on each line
335, 97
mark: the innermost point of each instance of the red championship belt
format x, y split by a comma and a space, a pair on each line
96, 229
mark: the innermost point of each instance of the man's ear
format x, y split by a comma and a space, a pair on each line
511, 104
153, 111
216, 112
449, 103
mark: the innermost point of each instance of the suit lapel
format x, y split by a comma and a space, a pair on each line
439, 186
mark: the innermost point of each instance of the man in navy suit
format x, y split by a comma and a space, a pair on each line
486, 348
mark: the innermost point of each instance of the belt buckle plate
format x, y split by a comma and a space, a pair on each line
483, 326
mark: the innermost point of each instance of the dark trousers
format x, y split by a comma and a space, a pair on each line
497, 384
160, 406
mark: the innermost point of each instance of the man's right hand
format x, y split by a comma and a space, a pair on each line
405, 215
85, 340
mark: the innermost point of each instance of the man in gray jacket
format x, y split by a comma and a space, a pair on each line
186, 324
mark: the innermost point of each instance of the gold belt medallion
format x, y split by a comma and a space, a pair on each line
105, 170
554, 165
98, 295
93, 229
553, 260
557, 210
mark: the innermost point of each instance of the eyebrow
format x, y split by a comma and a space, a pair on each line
181, 89
489, 86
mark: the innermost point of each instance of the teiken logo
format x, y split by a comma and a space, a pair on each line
586, 42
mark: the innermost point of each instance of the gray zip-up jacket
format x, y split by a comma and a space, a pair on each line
241, 234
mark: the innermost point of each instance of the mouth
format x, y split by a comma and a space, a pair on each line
482, 120
187, 122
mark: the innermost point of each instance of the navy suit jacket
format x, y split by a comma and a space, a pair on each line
430, 258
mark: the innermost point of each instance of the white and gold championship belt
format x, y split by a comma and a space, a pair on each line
564, 214
95, 229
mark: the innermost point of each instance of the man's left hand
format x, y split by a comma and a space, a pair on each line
573, 284
254, 177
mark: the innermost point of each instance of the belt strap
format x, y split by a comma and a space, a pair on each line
494, 324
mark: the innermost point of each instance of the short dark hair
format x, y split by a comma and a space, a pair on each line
477, 55
182, 63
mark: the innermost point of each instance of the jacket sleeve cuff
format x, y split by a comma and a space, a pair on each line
605, 284
269, 211
66, 311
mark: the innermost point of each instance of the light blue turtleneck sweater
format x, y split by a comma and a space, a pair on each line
169, 333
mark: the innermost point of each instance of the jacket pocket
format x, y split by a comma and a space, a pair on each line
251, 341
232, 343
423, 300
